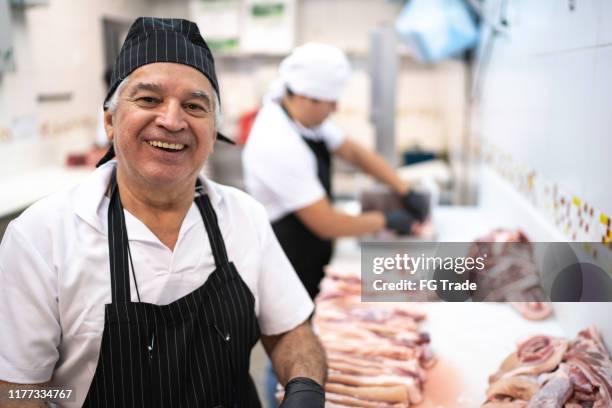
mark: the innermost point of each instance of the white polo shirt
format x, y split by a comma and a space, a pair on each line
55, 277
280, 170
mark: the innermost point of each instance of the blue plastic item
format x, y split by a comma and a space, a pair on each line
416, 156
437, 29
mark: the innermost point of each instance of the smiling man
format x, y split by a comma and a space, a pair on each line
148, 285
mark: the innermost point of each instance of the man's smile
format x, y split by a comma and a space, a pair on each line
170, 147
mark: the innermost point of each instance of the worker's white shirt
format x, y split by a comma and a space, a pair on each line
55, 277
280, 170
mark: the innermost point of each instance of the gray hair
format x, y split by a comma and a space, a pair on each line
111, 104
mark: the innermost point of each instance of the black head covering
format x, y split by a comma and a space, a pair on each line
152, 39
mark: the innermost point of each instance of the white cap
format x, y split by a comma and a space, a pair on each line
316, 71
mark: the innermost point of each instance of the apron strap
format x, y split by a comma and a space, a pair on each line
118, 239
209, 216
118, 246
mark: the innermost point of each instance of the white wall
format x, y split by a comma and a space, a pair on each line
344, 23
545, 110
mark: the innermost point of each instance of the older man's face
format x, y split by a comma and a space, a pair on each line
164, 125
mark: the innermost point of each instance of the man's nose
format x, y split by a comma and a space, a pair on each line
172, 117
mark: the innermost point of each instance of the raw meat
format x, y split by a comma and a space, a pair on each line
510, 273
377, 355
538, 354
519, 386
547, 372
555, 392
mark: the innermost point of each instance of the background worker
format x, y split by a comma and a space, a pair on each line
288, 160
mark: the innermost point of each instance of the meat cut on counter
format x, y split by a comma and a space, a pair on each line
548, 372
510, 273
377, 355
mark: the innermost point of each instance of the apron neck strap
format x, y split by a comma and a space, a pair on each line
118, 243
211, 223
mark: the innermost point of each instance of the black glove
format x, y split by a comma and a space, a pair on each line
302, 392
399, 221
417, 204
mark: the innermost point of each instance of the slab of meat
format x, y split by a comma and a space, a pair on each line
521, 387
510, 273
410, 384
337, 400
377, 364
505, 404
546, 372
390, 394
533, 310
377, 354
369, 348
539, 354
591, 368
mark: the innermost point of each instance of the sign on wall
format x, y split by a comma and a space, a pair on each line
269, 26
219, 22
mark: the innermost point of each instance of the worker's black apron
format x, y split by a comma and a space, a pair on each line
307, 252
193, 352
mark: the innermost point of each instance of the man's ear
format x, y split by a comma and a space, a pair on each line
108, 126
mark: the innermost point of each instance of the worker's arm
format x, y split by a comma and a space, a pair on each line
326, 222
375, 165
296, 353
371, 163
5, 387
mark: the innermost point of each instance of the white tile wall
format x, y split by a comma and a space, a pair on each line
531, 25
598, 152
605, 24
573, 123
546, 97
573, 29
548, 26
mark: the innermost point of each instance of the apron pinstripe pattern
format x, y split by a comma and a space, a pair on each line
193, 352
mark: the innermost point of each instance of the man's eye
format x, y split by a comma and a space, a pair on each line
194, 106
147, 101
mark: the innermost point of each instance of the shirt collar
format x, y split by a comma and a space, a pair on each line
90, 195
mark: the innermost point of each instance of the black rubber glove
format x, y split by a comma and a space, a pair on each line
399, 221
417, 204
302, 392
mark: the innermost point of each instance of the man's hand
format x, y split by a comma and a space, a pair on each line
417, 204
303, 392
399, 221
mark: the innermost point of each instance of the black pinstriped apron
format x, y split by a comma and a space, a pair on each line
193, 352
